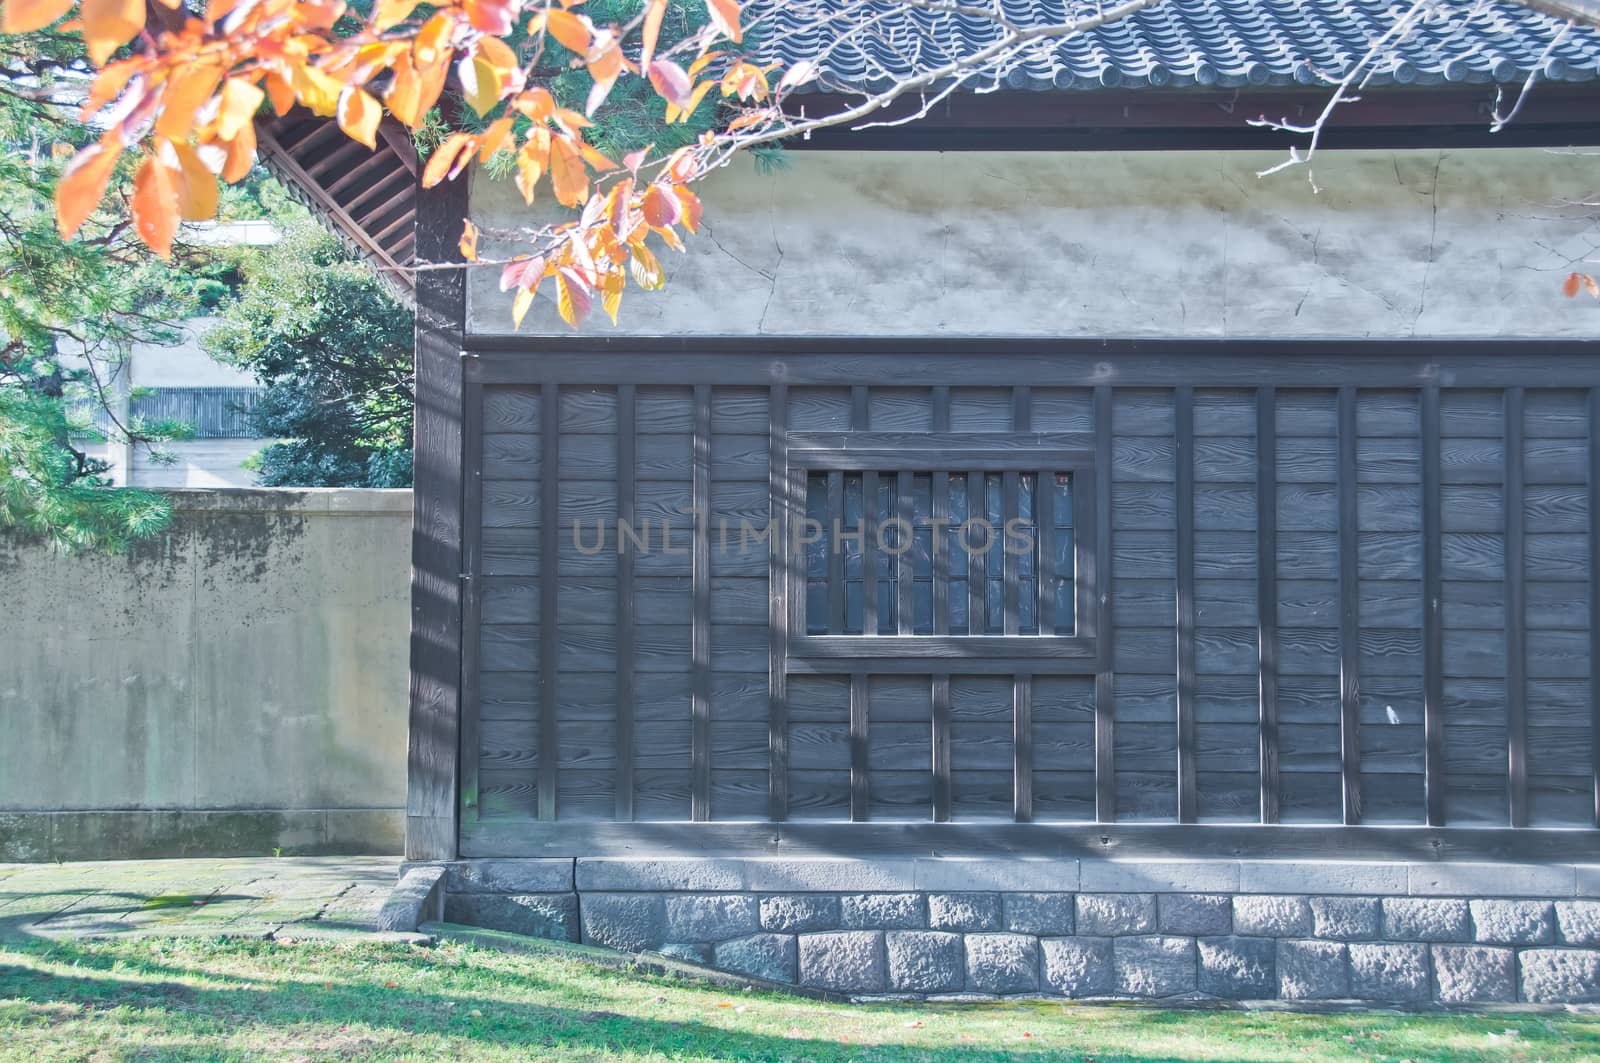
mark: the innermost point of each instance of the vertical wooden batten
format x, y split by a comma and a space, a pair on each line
781, 584
549, 596
1516, 616
1267, 596
700, 616
471, 601
1349, 611
433, 748
627, 459
940, 682
1183, 413
1594, 596
1432, 614
1105, 780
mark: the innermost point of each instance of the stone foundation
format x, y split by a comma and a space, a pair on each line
932, 928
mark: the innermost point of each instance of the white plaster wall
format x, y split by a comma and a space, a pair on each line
1396, 244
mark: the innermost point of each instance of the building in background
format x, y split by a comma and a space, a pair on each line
181, 381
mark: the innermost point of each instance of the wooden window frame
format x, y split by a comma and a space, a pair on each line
805, 453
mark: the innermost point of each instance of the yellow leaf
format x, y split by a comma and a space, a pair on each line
521, 302
572, 301
358, 116
499, 55
25, 16
469, 241
482, 83
391, 13
611, 299
108, 25
197, 191
83, 184
155, 206
318, 91
240, 101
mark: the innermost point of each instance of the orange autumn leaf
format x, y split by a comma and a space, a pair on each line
469, 241
651, 33
25, 16
568, 175
494, 138
186, 92
241, 154
573, 32
155, 205
83, 185
725, 17
109, 24
1574, 282
449, 159
358, 116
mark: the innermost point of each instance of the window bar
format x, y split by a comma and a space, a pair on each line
835, 553
1010, 560
905, 585
1045, 575
870, 527
977, 560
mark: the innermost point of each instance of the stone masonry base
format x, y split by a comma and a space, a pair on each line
932, 928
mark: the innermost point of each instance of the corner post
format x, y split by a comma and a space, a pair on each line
432, 762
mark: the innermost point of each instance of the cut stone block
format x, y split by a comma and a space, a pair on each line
1110, 914
1154, 966
845, 961
924, 961
1238, 968
769, 956
1196, 913
883, 911
1313, 970
1002, 963
1389, 972
1473, 974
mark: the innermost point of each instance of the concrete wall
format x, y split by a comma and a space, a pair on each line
1396, 244
237, 684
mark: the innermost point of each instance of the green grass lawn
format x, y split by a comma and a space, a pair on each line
195, 1000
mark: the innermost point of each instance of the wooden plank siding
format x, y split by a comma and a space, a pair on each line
1305, 601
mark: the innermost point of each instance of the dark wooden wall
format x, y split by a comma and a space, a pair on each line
1350, 590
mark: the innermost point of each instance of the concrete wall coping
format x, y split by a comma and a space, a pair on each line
894, 874
333, 501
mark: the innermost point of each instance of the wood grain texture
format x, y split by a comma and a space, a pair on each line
1185, 457
782, 582
1267, 599
433, 749
1349, 612
1105, 783
1433, 614
1516, 612
700, 617
627, 463
549, 603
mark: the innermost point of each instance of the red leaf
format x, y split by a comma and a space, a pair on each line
671, 82
1574, 281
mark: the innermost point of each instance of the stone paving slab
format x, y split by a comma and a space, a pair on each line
301, 897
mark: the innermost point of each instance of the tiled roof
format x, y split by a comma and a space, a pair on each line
862, 44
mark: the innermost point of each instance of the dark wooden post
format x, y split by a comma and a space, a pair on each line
433, 751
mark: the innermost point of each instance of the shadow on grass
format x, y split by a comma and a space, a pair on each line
288, 998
